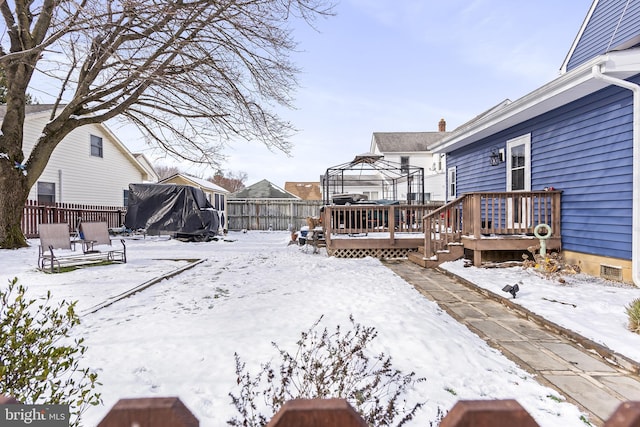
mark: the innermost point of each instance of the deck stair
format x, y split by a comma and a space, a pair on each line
497, 222
452, 252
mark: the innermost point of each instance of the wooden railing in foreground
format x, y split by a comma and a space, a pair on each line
35, 213
372, 218
491, 213
171, 412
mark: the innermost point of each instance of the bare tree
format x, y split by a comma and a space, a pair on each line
166, 171
193, 75
232, 181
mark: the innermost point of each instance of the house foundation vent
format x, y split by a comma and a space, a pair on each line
611, 272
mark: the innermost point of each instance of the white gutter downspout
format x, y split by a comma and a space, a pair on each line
635, 237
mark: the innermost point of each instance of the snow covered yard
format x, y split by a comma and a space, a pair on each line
178, 337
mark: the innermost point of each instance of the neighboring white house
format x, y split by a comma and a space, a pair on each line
89, 166
216, 195
413, 149
151, 172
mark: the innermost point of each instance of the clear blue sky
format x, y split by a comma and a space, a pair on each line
401, 65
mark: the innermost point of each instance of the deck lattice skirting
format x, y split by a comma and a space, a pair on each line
383, 253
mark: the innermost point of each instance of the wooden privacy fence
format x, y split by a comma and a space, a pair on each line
270, 214
35, 213
171, 412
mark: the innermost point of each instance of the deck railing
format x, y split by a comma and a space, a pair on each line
491, 213
370, 218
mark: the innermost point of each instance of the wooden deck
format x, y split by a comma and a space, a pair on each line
430, 234
381, 231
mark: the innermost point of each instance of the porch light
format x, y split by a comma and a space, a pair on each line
496, 157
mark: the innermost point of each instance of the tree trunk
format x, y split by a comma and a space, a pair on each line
14, 193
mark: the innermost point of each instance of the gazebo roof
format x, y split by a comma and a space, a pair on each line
370, 169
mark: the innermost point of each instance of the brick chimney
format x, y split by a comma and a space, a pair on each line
442, 126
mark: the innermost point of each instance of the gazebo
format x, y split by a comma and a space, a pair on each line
393, 181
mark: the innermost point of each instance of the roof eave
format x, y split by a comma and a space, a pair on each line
567, 88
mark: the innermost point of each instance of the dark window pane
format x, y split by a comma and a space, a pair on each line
46, 192
404, 164
96, 146
517, 179
517, 157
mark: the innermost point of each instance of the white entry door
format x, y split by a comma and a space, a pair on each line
519, 179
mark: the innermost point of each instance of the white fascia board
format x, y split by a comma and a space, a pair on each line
565, 63
567, 88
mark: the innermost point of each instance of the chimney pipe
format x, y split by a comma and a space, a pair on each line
442, 126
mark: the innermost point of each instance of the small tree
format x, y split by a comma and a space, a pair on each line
327, 365
39, 361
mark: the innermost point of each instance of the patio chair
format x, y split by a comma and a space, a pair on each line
97, 233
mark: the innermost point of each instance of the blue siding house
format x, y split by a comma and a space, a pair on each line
579, 134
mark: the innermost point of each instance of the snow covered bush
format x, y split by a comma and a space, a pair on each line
327, 365
39, 361
633, 311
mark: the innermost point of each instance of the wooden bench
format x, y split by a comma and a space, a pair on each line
57, 249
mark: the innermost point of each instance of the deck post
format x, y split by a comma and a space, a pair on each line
326, 224
477, 258
476, 214
626, 415
150, 412
556, 203
427, 225
317, 413
485, 413
392, 224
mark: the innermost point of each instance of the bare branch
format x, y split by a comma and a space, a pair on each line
192, 75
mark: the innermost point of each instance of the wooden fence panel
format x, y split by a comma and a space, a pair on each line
35, 213
270, 214
241, 214
171, 412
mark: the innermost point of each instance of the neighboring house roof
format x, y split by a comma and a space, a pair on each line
30, 109
196, 182
304, 190
263, 190
45, 109
405, 142
573, 85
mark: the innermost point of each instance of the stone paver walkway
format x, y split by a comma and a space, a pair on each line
584, 377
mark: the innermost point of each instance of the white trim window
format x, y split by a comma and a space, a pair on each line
451, 183
519, 163
46, 192
519, 209
96, 146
